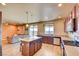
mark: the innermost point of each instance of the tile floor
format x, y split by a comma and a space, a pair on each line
49, 50
11, 50
46, 50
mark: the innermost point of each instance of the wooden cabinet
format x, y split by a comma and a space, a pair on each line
36, 46
44, 39
71, 21
50, 40
0, 18
30, 48
21, 29
24, 48
39, 44
77, 17
47, 39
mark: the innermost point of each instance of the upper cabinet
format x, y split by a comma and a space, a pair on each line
21, 29
71, 21
0, 18
77, 16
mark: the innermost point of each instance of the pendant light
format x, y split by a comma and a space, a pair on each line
27, 25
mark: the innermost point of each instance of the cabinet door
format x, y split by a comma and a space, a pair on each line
71, 21
77, 16
74, 17
44, 39
0, 18
49, 40
36, 46
39, 44
25, 48
31, 48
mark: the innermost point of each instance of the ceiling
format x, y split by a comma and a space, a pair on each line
16, 12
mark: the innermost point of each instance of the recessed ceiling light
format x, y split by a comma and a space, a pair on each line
3, 3
59, 5
59, 16
46, 17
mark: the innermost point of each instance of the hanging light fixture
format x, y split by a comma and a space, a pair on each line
27, 25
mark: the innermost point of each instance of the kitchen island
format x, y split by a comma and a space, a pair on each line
30, 45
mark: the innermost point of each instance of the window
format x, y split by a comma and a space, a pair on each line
33, 30
49, 29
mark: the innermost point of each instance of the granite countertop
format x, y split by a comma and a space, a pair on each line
70, 48
50, 35
30, 38
45, 35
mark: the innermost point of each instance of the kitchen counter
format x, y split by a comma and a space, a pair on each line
49, 39
30, 45
70, 50
50, 35
30, 38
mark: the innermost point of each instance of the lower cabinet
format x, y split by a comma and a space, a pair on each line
47, 39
